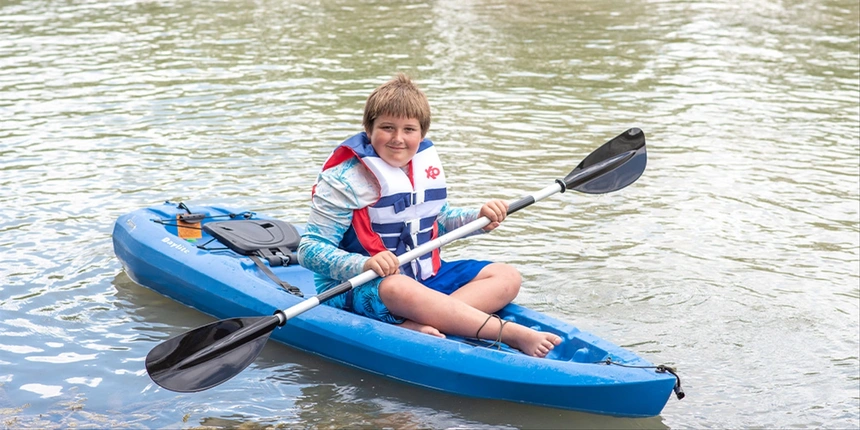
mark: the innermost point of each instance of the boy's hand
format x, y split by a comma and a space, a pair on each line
496, 211
384, 263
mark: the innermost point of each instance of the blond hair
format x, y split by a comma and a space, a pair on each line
398, 97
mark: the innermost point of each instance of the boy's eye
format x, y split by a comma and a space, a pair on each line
391, 128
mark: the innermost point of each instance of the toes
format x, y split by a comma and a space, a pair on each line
432, 331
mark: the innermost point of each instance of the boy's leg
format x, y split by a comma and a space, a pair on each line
405, 297
495, 286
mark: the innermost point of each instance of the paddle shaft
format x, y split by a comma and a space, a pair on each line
560, 185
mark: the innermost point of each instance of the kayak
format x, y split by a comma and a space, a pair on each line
229, 263
232, 263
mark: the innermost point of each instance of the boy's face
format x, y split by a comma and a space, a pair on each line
395, 139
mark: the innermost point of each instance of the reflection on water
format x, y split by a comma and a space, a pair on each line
337, 397
734, 257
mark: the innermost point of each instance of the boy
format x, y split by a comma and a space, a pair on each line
381, 193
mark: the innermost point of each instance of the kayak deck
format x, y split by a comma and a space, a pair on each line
181, 260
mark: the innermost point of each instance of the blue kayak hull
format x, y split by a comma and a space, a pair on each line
225, 284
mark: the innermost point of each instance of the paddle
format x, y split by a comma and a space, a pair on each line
209, 355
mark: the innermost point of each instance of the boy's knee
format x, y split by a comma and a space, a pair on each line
395, 288
511, 275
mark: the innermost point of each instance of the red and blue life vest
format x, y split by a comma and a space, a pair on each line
404, 215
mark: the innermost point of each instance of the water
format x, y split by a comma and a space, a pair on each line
735, 258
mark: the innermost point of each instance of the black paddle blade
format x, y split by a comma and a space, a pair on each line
613, 166
209, 355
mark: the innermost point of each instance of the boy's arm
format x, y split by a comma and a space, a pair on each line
332, 207
451, 218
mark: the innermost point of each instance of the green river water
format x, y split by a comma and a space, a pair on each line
735, 258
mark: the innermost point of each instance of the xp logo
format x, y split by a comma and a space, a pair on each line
432, 172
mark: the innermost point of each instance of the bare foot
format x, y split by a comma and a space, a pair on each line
422, 328
530, 342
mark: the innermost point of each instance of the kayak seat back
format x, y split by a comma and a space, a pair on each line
249, 236
274, 240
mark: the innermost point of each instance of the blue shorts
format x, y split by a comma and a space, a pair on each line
364, 299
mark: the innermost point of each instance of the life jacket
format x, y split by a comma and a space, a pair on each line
404, 215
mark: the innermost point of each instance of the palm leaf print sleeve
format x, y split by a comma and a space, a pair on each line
451, 218
339, 191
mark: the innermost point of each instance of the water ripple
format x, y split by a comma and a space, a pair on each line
735, 257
